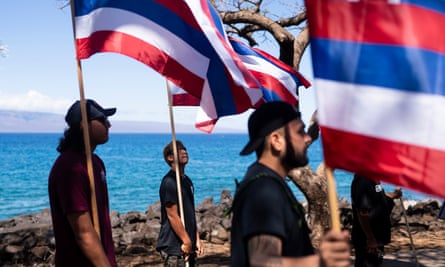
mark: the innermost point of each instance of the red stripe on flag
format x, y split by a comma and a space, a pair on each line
415, 167
250, 80
240, 97
206, 126
284, 66
181, 9
117, 42
185, 100
390, 23
273, 84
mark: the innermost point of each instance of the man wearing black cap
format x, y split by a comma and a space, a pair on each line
268, 224
77, 243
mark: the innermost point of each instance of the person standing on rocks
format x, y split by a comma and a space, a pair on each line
77, 242
442, 211
177, 243
371, 225
268, 223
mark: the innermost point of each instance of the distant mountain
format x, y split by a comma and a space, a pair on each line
24, 121
40, 122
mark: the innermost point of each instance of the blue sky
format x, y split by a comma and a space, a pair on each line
39, 71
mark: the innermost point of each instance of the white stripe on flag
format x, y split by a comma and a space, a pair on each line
141, 28
261, 65
410, 118
222, 46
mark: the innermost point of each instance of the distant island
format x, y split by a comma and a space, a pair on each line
12, 121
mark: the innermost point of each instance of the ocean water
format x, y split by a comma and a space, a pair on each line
135, 167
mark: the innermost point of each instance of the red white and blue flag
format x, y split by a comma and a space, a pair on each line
182, 40
379, 70
279, 81
181, 98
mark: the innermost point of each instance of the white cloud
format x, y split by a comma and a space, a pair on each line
3, 50
33, 101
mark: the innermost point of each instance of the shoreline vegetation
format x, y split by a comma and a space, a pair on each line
27, 240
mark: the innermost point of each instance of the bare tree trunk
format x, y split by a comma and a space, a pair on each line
300, 45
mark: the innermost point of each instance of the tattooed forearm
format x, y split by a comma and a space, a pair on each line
265, 251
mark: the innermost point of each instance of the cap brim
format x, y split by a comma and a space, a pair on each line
109, 111
251, 146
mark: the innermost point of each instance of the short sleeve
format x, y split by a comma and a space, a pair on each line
169, 194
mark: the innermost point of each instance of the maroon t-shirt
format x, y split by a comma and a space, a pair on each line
69, 191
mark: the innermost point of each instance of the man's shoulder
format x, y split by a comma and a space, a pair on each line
258, 169
260, 183
69, 160
169, 178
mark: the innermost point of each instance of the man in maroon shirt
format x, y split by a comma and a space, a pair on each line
77, 243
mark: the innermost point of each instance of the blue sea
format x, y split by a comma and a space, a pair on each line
135, 167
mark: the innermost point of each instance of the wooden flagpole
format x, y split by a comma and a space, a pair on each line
86, 134
333, 200
175, 156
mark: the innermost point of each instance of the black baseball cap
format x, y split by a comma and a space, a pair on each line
94, 112
264, 120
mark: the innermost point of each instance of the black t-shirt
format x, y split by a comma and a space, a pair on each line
168, 241
369, 195
264, 204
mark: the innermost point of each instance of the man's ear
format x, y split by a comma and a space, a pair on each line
276, 140
170, 159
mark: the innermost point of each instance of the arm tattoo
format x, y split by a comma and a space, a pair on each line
265, 251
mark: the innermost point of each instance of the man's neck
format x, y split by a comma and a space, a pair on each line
274, 165
181, 169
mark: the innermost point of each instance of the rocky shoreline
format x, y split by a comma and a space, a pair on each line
28, 240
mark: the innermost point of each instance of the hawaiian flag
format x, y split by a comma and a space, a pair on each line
182, 40
379, 70
279, 81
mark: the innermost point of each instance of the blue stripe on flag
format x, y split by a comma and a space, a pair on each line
217, 21
224, 97
158, 13
402, 68
243, 49
434, 5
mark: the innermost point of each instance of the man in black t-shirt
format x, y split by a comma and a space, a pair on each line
268, 224
371, 227
177, 243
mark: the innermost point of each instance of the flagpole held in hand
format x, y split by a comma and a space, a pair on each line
175, 156
86, 135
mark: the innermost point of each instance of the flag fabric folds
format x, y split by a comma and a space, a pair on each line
182, 40
379, 69
279, 81
180, 97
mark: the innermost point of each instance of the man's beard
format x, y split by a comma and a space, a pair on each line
291, 159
